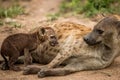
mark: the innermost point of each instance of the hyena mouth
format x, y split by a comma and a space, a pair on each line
53, 43
93, 43
107, 47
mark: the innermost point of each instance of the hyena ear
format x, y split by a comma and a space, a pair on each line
42, 30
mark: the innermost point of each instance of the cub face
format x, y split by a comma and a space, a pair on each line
49, 35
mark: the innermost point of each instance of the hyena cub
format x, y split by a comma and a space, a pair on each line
18, 44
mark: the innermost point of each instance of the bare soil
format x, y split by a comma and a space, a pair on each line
38, 9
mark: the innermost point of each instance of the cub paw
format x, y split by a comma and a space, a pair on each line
4, 66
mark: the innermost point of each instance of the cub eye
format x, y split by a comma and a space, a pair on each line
99, 31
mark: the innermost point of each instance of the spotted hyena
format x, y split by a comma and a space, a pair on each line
78, 52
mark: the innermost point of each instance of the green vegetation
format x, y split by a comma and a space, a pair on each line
1, 23
15, 24
10, 23
11, 11
90, 7
53, 17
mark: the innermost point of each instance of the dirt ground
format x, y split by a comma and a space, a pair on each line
38, 9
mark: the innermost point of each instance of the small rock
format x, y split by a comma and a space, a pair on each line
9, 20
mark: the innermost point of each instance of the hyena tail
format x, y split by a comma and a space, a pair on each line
5, 64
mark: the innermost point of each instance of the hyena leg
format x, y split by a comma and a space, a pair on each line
12, 61
32, 69
71, 68
56, 61
56, 72
28, 57
60, 58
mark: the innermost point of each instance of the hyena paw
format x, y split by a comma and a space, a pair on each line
42, 73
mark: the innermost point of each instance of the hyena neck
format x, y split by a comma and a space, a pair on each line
106, 52
34, 35
107, 47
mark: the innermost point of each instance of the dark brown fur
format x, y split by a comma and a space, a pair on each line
18, 44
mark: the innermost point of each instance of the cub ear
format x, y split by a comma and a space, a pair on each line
42, 30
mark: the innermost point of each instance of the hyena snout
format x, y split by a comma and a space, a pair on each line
87, 40
53, 41
90, 40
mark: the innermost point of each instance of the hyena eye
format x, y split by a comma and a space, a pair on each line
99, 31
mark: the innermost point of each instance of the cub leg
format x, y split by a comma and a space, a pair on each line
28, 57
12, 60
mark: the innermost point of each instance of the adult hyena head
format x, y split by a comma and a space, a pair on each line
106, 31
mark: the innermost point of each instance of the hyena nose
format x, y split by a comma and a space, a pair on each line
86, 39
